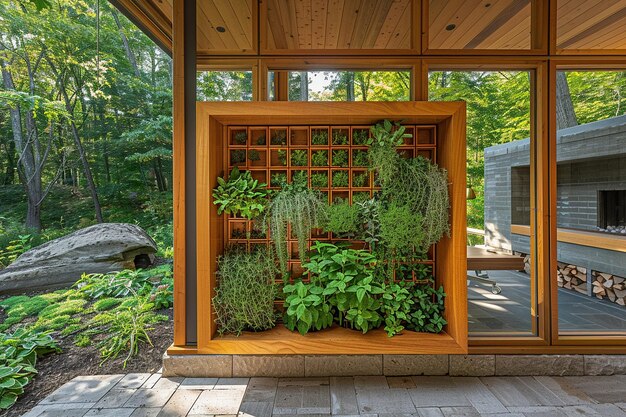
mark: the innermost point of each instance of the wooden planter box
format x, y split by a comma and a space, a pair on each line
216, 123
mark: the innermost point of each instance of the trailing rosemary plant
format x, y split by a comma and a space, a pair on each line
299, 207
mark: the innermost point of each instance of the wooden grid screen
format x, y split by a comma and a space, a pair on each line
332, 159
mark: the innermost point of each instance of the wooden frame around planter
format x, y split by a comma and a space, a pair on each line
214, 118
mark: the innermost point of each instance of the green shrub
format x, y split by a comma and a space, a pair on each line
340, 158
18, 356
299, 158
319, 179
340, 179
319, 158
343, 220
245, 294
106, 304
300, 178
14, 249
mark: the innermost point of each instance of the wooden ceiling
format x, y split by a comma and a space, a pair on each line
479, 24
339, 24
229, 26
591, 24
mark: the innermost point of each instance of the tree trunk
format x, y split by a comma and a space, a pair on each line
304, 86
350, 87
565, 114
129, 52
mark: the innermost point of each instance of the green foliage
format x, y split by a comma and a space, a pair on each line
359, 137
106, 304
346, 276
244, 297
396, 307
278, 137
128, 330
278, 179
319, 179
162, 296
115, 284
20, 307
340, 158
319, 158
360, 158
427, 310
253, 155
340, 137
237, 156
299, 158
399, 228
360, 179
18, 356
301, 208
241, 137
300, 178
340, 179
343, 220
319, 137
282, 157
14, 249
241, 195
306, 308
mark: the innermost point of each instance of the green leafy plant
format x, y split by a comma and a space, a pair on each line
343, 220
398, 228
128, 327
340, 179
278, 179
360, 179
115, 284
319, 179
359, 137
347, 278
306, 308
319, 158
237, 156
260, 140
396, 307
427, 310
278, 137
254, 155
299, 158
340, 158
340, 137
299, 207
300, 178
319, 137
360, 158
162, 296
18, 357
360, 196
14, 249
246, 292
240, 195
19, 307
240, 137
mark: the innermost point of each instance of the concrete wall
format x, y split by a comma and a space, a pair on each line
590, 157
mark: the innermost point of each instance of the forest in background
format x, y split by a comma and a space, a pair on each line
85, 116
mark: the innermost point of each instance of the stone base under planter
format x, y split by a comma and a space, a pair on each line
390, 365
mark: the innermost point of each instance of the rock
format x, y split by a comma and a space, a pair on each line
96, 249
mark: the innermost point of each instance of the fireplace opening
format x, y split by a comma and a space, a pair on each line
612, 211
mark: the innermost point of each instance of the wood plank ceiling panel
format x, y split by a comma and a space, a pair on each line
591, 24
224, 25
338, 24
479, 24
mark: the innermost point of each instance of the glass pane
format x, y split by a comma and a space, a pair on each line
591, 24
500, 279
371, 24
224, 86
349, 86
224, 26
479, 24
591, 201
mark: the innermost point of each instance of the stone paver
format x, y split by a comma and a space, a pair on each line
151, 395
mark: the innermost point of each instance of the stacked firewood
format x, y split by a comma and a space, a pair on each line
572, 277
609, 286
603, 285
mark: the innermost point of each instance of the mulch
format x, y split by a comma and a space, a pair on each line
57, 369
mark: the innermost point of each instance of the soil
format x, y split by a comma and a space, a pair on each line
57, 369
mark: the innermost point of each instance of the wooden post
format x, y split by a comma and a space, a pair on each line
184, 149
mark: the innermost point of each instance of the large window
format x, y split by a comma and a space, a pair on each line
224, 85
500, 293
591, 201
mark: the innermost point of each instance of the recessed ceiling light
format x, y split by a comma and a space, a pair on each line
451, 27
488, 5
220, 29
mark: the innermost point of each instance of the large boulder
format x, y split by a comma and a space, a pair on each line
96, 249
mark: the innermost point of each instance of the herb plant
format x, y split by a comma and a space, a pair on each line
359, 158
340, 179
340, 137
299, 158
240, 195
278, 179
240, 137
300, 178
340, 158
246, 292
343, 220
278, 137
253, 155
237, 156
298, 207
319, 179
359, 137
319, 158
319, 137
306, 308
360, 179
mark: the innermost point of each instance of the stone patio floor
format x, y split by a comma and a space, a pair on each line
135, 395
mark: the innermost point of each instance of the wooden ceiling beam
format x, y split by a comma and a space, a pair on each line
149, 18
506, 15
